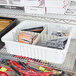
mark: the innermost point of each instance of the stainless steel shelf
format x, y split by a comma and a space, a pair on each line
20, 14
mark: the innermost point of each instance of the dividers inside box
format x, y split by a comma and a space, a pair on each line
44, 35
47, 33
18, 31
15, 32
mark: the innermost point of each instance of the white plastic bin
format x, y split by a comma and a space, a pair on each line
49, 54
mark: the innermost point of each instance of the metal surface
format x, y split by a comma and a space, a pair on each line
20, 14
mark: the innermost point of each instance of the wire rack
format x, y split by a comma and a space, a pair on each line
20, 14
68, 64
